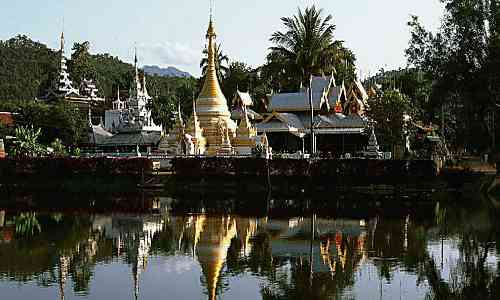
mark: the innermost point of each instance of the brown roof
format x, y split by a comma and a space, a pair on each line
6, 118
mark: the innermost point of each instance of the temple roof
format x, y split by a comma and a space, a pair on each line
336, 93
244, 98
294, 102
236, 114
98, 135
300, 122
131, 138
299, 101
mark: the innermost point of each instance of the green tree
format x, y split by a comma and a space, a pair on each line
388, 110
61, 120
81, 66
308, 47
461, 58
162, 109
238, 76
27, 68
221, 62
27, 225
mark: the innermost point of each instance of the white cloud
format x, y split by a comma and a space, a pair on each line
169, 54
178, 264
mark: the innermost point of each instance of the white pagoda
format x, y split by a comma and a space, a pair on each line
83, 97
132, 115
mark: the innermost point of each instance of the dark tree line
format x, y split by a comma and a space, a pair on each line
462, 59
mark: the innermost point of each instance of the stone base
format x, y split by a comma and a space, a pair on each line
247, 151
225, 151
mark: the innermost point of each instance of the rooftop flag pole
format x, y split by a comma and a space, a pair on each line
312, 114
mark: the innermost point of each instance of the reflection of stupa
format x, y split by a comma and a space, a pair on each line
63, 271
212, 249
246, 229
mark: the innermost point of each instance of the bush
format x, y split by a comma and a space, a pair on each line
58, 148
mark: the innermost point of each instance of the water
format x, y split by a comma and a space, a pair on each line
157, 247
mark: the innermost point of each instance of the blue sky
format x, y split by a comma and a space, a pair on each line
172, 32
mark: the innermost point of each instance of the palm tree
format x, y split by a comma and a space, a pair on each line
221, 62
308, 44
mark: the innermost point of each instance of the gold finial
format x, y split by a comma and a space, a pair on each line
211, 87
211, 30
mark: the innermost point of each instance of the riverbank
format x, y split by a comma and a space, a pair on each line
229, 175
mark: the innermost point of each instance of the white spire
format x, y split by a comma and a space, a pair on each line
90, 117
144, 89
195, 119
137, 81
179, 114
64, 85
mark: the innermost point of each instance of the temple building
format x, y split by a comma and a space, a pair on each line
130, 121
242, 101
339, 121
210, 130
85, 97
133, 113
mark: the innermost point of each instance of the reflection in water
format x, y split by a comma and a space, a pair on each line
453, 253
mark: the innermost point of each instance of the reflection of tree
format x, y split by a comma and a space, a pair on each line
65, 248
471, 277
27, 224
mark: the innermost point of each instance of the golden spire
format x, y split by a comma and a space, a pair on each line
195, 120
211, 88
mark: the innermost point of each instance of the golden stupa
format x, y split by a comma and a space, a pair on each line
245, 136
211, 106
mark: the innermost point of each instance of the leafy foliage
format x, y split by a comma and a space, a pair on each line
221, 62
58, 148
81, 65
61, 120
462, 58
27, 144
308, 47
27, 68
388, 110
27, 224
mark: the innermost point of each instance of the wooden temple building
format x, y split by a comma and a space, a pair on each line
339, 124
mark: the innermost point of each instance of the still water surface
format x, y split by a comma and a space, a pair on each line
447, 249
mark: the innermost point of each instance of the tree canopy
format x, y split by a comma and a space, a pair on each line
308, 47
462, 59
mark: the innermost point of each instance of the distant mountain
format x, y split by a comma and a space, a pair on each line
166, 72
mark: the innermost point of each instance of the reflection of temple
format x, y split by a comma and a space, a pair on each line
336, 242
132, 237
209, 240
222, 245
212, 249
